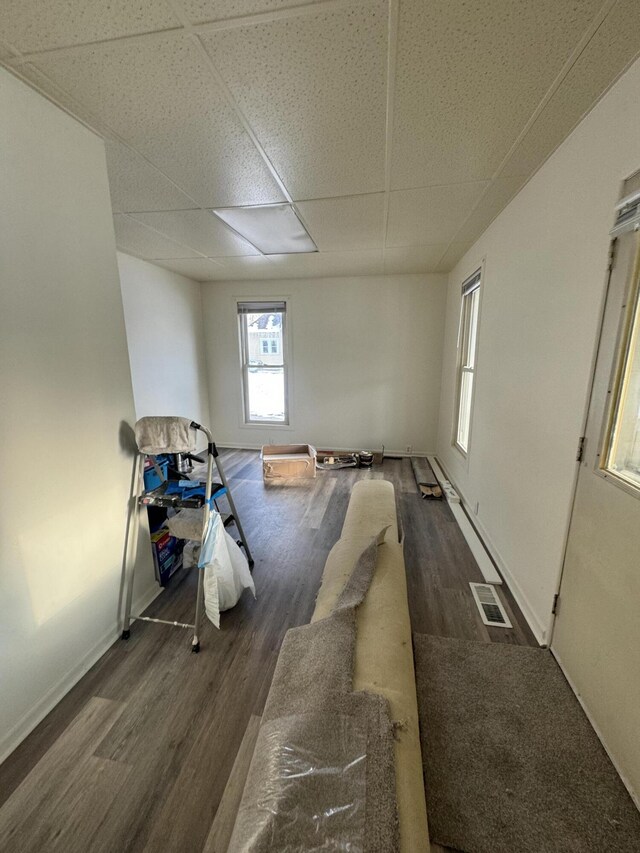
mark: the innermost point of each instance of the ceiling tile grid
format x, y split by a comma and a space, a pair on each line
469, 75
290, 101
347, 223
31, 25
430, 214
199, 269
138, 186
160, 99
145, 243
313, 89
200, 230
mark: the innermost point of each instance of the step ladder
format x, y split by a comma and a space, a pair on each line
203, 495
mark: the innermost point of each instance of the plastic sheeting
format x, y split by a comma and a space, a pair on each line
310, 783
226, 571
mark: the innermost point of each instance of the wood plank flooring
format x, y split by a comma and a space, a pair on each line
137, 756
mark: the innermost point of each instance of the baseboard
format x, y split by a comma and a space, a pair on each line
540, 632
635, 795
387, 450
58, 691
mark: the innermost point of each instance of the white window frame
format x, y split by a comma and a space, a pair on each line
467, 354
243, 307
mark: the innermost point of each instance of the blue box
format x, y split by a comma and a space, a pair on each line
151, 479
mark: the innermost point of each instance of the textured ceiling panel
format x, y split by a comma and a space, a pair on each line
613, 47
302, 266
199, 269
136, 186
366, 262
469, 75
431, 214
346, 223
313, 89
199, 229
141, 241
497, 196
32, 25
413, 259
452, 256
201, 11
161, 99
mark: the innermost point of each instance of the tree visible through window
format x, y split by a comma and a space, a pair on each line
264, 369
467, 339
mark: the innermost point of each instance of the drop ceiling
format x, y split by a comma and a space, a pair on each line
398, 128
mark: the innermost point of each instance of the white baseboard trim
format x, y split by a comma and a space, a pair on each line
56, 693
387, 451
475, 543
635, 795
540, 631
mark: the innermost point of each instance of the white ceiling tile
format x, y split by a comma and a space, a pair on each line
252, 267
139, 240
413, 259
498, 195
430, 215
136, 186
469, 75
313, 90
162, 100
346, 223
33, 25
365, 262
201, 11
199, 269
200, 230
615, 44
312, 265
453, 254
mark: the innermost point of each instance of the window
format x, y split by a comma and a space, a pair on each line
621, 458
467, 338
270, 346
264, 369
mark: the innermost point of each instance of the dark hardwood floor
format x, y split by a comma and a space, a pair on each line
136, 757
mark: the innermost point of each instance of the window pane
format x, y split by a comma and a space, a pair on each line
263, 373
464, 412
624, 454
266, 394
473, 327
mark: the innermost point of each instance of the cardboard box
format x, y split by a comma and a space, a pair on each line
288, 461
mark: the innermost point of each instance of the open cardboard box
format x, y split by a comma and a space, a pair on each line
288, 461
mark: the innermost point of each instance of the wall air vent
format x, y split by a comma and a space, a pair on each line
627, 214
490, 607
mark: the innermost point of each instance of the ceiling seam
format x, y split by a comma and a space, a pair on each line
104, 131
269, 16
392, 51
228, 95
571, 60
166, 236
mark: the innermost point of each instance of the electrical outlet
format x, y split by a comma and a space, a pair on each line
409, 448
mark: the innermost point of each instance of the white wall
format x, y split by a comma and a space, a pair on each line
165, 336
365, 361
546, 257
66, 412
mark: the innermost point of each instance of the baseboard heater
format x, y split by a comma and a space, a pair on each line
484, 561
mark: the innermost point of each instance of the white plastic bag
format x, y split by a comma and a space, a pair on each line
226, 571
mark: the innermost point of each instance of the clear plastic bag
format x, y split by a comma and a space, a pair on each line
226, 571
306, 788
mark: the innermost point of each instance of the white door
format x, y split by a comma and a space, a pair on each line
596, 637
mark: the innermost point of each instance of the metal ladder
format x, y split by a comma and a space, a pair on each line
157, 497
